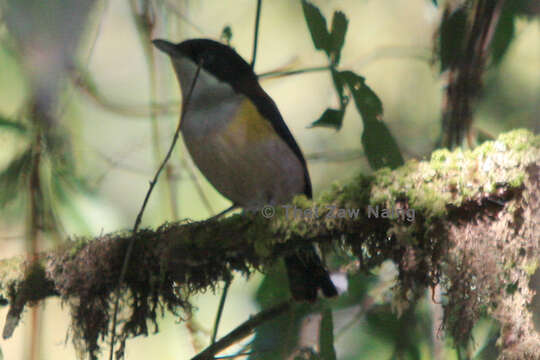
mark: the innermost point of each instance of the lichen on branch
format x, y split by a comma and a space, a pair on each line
473, 232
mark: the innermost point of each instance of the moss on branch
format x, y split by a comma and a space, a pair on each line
473, 232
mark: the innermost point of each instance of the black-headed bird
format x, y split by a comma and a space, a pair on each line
237, 138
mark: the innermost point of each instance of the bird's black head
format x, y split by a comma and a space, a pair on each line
216, 58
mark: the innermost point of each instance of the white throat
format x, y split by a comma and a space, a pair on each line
212, 104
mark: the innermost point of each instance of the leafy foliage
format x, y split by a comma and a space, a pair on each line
380, 146
332, 118
454, 28
226, 34
10, 125
401, 332
452, 35
337, 37
332, 44
276, 339
506, 28
326, 338
317, 26
11, 177
279, 338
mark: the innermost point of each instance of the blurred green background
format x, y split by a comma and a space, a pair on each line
114, 144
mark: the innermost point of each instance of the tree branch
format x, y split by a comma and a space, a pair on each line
474, 226
243, 331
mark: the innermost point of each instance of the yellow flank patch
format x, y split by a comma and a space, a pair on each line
249, 126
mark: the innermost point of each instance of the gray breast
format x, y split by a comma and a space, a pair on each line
245, 160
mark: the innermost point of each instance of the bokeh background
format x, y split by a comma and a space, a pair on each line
114, 101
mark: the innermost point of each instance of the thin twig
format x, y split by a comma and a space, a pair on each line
228, 282
34, 221
116, 164
78, 74
245, 348
335, 156
359, 311
220, 310
464, 82
390, 52
154, 125
83, 81
145, 27
169, 5
129, 249
274, 74
377, 54
256, 35
234, 356
193, 177
243, 331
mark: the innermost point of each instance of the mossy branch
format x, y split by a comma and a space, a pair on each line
474, 231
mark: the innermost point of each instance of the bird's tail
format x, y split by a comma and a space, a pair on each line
307, 275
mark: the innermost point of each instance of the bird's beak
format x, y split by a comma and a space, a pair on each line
165, 46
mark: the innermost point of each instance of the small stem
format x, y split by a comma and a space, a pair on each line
223, 212
143, 207
256, 36
145, 27
35, 217
181, 14
274, 74
234, 356
197, 184
220, 309
243, 331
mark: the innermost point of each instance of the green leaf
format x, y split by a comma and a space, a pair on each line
63, 186
367, 102
379, 145
317, 26
12, 177
339, 84
11, 125
277, 339
452, 35
330, 42
504, 33
358, 287
331, 118
226, 35
326, 336
488, 349
405, 334
337, 37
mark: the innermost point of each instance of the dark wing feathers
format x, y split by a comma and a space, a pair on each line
268, 109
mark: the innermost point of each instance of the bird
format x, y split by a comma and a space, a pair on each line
239, 141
